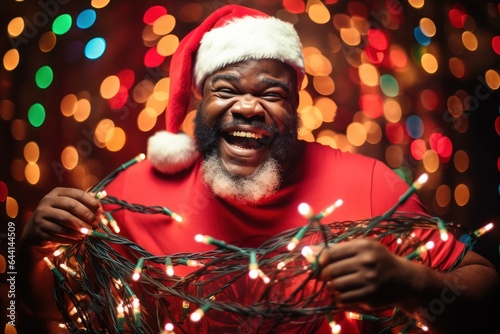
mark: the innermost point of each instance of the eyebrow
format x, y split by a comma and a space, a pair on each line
237, 78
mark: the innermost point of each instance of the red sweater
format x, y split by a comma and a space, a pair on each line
367, 187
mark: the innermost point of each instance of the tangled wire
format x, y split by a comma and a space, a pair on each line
100, 290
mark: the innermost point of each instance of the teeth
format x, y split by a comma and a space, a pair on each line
245, 134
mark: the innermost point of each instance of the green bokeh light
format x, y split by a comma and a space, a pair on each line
62, 24
389, 85
44, 77
36, 115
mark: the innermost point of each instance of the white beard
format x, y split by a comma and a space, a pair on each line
250, 189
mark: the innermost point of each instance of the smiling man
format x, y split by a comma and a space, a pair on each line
242, 179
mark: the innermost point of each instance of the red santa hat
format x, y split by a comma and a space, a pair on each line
229, 35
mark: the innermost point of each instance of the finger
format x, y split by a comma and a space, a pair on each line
55, 218
85, 208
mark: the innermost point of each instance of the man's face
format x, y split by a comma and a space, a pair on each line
248, 115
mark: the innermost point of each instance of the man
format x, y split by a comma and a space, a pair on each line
245, 177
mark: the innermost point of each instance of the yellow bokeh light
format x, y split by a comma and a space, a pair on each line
462, 194
167, 45
428, 27
31, 152
99, 3
356, 134
461, 161
188, 125
328, 108
318, 65
164, 25
158, 102
7, 109
305, 134
69, 105
32, 173
305, 99
146, 119
469, 40
350, 36
110, 87
103, 132
394, 156
429, 63
18, 129
11, 59
430, 161
148, 36
142, 91
373, 132
327, 137
15, 27
69, 157
311, 117
368, 74
327, 141
47, 41
324, 85
341, 20
82, 110
443, 195
416, 3
11, 207
318, 12
116, 140
17, 169
492, 79
457, 67
392, 110
455, 106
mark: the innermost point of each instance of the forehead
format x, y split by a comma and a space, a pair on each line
259, 69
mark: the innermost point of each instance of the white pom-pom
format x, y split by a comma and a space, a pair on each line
171, 152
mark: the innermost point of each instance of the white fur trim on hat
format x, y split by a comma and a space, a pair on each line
171, 152
248, 38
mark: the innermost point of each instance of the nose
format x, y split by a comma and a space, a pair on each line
248, 106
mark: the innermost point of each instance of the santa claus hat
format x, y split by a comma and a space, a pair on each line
229, 35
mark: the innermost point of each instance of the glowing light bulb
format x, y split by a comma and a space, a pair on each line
60, 250
169, 267
421, 180
138, 270
305, 210
308, 253
121, 316
330, 209
253, 267
335, 327
263, 276
93, 233
69, 270
199, 313
101, 194
136, 309
479, 232
190, 263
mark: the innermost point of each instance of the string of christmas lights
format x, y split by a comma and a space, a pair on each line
98, 289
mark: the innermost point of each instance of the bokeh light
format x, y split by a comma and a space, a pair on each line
415, 88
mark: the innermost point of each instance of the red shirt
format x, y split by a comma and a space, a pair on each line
367, 187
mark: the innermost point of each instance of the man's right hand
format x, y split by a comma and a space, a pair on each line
59, 216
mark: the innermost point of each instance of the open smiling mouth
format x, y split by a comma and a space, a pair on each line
247, 140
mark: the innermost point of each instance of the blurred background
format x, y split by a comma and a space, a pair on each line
414, 83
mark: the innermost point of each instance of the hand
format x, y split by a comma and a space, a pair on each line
59, 216
364, 274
